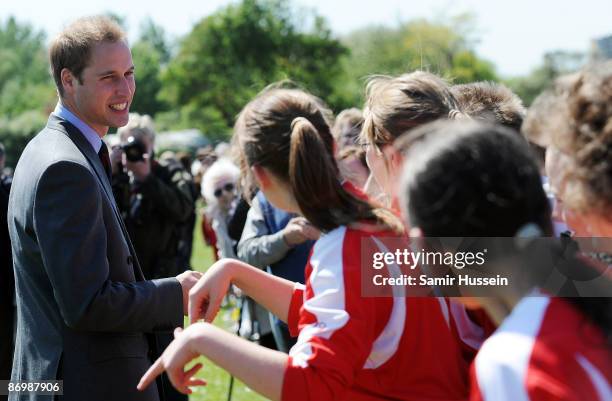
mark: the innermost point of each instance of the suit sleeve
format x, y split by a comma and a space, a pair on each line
72, 237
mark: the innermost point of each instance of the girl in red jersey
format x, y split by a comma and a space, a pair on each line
350, 347
485, 184
394, 106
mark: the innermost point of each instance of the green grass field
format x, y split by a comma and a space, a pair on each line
218, 380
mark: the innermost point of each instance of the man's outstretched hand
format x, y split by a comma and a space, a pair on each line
187, 279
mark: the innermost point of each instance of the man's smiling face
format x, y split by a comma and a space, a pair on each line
102, 97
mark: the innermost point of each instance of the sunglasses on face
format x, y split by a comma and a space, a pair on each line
229, 187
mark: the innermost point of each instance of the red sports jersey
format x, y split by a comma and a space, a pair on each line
545, 350
359, 348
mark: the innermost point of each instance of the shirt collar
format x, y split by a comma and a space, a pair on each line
90, 134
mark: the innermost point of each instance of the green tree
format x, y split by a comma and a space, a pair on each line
467, 67
16, 132
27, 92
442, 47
234, 53
25, 82
154, 34
554, 64
148, 67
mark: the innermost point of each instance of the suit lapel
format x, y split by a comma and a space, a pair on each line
86, 149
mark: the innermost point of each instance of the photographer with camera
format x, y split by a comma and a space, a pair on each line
155, 197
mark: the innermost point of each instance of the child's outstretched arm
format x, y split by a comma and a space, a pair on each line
273, 293
259, 368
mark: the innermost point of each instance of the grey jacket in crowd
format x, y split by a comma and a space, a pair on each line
257, 246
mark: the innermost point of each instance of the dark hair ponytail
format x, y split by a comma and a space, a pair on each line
287, 131
313, 175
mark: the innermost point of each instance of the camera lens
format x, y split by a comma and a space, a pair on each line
134, 149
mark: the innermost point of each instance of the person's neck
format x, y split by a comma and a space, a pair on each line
69, 104
599, 226
501, 306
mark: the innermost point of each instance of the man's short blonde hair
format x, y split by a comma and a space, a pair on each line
71, 49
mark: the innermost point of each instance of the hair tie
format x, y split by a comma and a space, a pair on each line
455, 114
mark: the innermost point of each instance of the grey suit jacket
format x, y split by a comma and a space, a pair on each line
83, 305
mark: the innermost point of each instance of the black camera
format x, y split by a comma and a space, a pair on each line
134, 149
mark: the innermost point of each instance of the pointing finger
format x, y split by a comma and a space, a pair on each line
155, 370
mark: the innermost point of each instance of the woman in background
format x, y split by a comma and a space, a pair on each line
219, 189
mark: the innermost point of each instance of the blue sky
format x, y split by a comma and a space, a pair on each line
513, 34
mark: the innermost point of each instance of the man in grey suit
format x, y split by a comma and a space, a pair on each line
84, 310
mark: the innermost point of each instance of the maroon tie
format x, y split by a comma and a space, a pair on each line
105, 159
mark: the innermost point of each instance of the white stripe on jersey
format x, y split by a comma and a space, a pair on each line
503, 360
387, 343
469, 332
444, 309
327, 303
600, 383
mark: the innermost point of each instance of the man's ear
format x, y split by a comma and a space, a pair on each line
68, 80
261, 176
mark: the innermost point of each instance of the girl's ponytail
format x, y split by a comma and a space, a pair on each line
313, 175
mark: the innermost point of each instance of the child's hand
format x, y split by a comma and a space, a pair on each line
207, 294
178, 354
